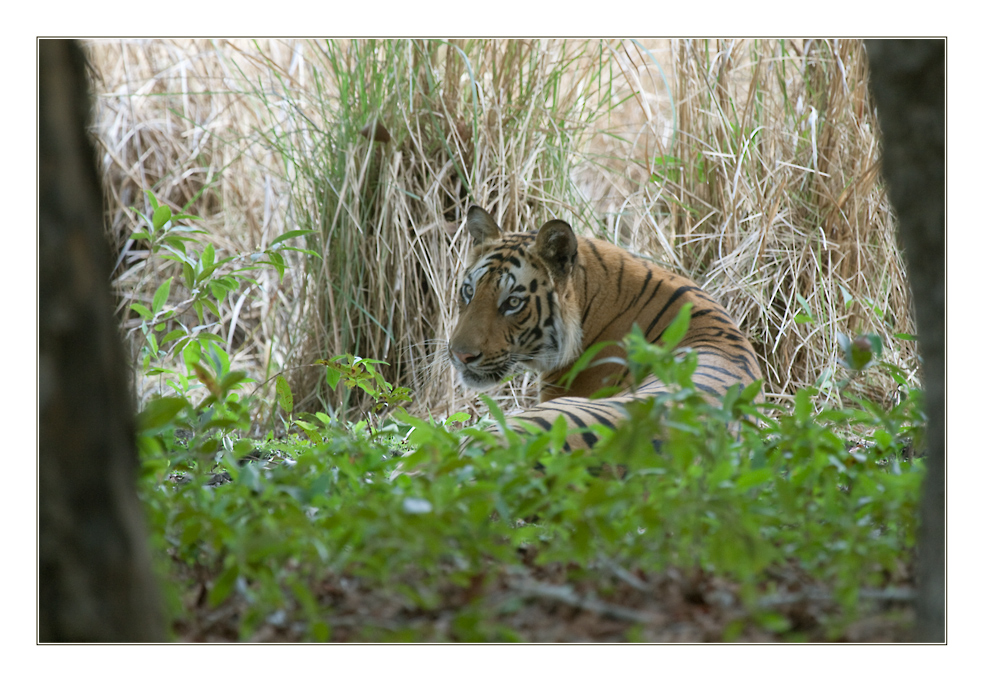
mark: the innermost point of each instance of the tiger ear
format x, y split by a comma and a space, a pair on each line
556, 244
481, 226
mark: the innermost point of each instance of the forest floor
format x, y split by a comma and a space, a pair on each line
549, 604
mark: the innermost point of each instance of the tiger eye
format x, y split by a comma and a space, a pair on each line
512, 303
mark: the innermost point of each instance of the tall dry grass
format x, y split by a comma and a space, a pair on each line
770, 195
751, 166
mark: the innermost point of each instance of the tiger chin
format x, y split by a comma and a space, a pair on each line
535, 300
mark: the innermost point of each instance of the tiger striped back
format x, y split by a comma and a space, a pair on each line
536, 300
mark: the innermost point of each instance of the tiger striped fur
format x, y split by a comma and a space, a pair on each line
536, 300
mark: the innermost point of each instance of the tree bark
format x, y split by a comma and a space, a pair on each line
908, 81
95, 580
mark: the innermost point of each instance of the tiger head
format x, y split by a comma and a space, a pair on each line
517, 304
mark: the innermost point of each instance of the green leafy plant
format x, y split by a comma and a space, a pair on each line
361, 373
350, 372
208, 280
438, 522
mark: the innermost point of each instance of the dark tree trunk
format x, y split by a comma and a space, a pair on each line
908, 80
95, 580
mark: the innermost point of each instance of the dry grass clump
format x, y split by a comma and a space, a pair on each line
768, 193
386, 156
751, 166
171, 117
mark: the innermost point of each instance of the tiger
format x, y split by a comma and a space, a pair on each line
536, 300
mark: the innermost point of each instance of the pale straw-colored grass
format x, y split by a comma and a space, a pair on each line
751, 166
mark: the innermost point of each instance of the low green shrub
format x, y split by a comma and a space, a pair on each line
413, 511
408, 507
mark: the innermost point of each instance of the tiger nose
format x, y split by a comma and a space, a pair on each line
465, 357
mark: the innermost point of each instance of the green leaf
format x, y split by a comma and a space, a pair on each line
218, 290
210, 337
159, 413
860, 352
775, 622
876, 343
160, 296
808, 317
606, 392
223, 585
803, 404
206, 272
141, 311
307, 252
152, 199
320, 632
332, 376
175, 250
558, 433
751, 479
860, 355
848, 299
844, 341
208, 257
752, 390
583, 362
674, 334
189, 275
284, 397
186, 216
211, 306
162, 214
233, 379
290, 235
150, 223
277, 261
